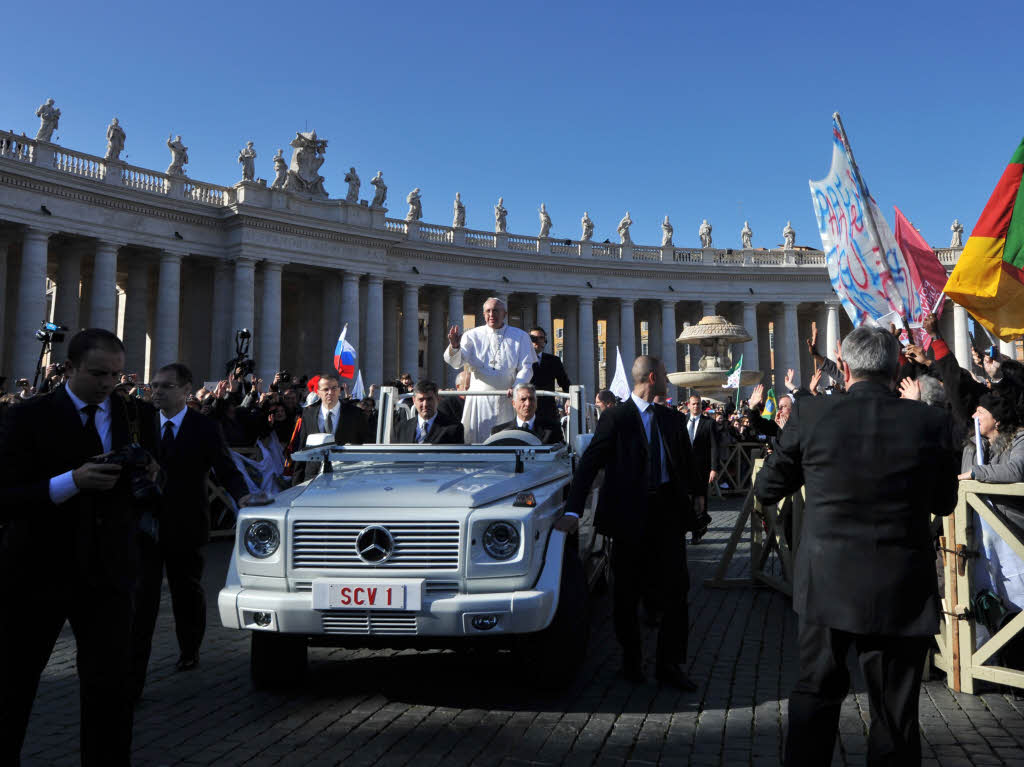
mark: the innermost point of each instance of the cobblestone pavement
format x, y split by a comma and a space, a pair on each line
383, 707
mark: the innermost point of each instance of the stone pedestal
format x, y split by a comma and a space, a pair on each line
252, 193
544, 246
586, 249
668, 252
412, 230
112, 172
458, 236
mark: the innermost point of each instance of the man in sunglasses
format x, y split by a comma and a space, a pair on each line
546, 371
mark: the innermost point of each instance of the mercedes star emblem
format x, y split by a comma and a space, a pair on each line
375, 544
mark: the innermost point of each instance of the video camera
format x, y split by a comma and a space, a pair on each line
242, 365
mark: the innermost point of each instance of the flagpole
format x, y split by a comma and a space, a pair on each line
865, 194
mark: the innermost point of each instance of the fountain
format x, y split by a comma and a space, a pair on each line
714, 335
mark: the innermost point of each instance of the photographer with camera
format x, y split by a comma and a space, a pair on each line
190, 445
71, 522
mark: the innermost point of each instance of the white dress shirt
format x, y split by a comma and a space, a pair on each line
692, 422
646, 414
526, 424
174, 420
423, 427
322, 417
63, 487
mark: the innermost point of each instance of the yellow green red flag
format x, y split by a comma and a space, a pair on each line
988, 280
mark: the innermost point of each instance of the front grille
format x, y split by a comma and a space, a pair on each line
367, 622
441, 589
418, 545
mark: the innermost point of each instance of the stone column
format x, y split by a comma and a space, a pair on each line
168, 311
390, 324
136, 314
668, 334
221, 335
373, 356
788, 343
611, 338
269, 342
3, 299
410, 329
243, 303
66, 310
654, 334
751, 358
103, 297
586, 344
544, 317
571, 339
709, 309
350, 310
627, 333
831, 330
31, 308
456, 310
437, 339
961, 338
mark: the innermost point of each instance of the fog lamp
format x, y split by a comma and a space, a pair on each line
484, 622
262, 619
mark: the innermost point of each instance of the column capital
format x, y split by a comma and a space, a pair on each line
543, 296
589, 300
669, 302
243, 261
167, 257
36, 235
455, 291
627, 302
108, 245
272, 266
374, 279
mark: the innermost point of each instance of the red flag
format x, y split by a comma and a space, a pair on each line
927, 275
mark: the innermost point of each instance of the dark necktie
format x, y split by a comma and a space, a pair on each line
330, 422
92, 434
654, 452
167, 442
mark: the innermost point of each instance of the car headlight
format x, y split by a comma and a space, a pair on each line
501, 540
262, 538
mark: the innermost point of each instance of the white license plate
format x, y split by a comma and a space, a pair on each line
363, 596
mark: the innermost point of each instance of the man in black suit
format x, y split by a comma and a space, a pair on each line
70, 552
547, 370
646, 505
524, 401
331, 415
875, 467
429, 425
452, 407
704, 441
190, 445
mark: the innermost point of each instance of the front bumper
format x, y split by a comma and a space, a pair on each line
516, 612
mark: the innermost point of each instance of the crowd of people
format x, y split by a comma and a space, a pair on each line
875, 470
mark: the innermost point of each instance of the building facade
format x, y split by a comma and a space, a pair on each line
176, 266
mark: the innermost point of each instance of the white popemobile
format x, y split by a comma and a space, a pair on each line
419, 546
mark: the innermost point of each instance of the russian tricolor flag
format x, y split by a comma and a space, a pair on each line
345, 356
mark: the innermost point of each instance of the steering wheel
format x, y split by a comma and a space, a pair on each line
513, 437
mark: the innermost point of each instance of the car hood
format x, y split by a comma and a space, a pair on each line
405, 485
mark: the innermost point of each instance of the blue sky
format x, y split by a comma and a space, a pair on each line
717, 111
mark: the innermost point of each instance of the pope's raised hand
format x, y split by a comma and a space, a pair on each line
454, 336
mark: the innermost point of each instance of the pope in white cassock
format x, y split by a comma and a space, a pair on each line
498, 356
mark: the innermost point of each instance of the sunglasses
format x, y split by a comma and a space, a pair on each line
539, 339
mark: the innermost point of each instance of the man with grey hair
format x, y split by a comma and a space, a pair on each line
645, 506
498, 356
875, 468
524, 401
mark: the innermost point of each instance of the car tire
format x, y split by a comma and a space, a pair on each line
277, 660
553, 657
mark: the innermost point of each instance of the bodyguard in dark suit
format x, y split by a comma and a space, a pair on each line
874, 466
704, 442
429, 424
331, 415
645, 507
524, 400
70, 552
452, 407
547, 370
190, 445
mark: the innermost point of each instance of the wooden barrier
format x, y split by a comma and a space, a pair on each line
737, 469
957, 655
774, 537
